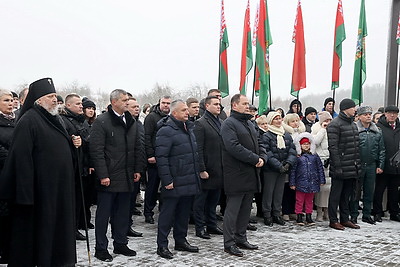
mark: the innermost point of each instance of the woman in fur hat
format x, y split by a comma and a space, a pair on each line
294, 126
281, 156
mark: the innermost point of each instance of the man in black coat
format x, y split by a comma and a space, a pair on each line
242, 156
177, 161
157, 112
73, 118
345, 164
116, 151
390, 178
209, 147
39, 179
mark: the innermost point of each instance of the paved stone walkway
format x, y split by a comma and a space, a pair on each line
289, 245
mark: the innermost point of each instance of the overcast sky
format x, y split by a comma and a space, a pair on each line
135, 44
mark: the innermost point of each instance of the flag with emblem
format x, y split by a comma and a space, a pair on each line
340, 36
223, 84
262, 40
247, 51
360, 67
299, 61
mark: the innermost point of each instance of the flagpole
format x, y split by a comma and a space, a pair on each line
254, 84
333, 94
398, 82
269, 92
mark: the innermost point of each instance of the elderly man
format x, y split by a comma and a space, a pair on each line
390, 178
39, 178
177, 161
372, 155
242, 156
116, 151
157, 112
345, 164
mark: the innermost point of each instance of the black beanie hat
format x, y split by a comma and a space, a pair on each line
88, 103
310, 110
346, 104
329, 99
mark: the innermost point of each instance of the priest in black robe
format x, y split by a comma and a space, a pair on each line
38, 178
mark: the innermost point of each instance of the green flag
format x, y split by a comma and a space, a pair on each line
360, 64
223, 84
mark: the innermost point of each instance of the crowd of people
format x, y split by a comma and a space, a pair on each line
58, 158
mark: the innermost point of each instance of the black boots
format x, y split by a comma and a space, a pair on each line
299, 220
309, 221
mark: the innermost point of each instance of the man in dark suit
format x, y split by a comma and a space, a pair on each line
177, 162
242, 156
209, 146
117, 152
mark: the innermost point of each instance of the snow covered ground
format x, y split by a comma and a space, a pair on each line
289, 245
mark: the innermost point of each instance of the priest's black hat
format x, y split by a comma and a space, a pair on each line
37, 89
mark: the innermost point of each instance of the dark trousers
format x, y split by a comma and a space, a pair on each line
150, 196
117, 205
341, 190
204, 209
5, 237
273, 191
88, 183
132, 202
236, 218
288, 200
175, 213
392, 183
367, 186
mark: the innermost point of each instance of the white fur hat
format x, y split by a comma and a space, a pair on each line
301, 136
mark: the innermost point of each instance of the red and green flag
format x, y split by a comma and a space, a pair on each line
223, 84
360, 63
247, 51
299, 61
262, 41
340, 36
398, 32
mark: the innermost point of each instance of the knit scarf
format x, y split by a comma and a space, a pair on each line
279, 135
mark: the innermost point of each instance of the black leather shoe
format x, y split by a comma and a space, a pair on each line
395, 217
246, 245
133, 233
137, 212
268, 221
353, 220
137, 205
90, 225
80, 236
278, 220
149, 219
103, 255
203, 234
165, 253
253, 221
215, 231
378, 218
124, 250
234, 250
368, 220
185, 246
251, 227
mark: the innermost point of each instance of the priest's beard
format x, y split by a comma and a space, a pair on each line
53, 110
